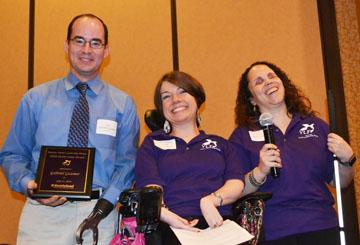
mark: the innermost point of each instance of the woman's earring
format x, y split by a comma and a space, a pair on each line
198, 119
167, 127
254, 108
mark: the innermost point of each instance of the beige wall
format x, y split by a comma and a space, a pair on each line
13, 81
217, 40
139, 39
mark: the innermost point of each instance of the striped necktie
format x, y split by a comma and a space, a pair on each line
79, 126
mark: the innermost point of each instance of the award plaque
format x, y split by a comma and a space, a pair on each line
65, 171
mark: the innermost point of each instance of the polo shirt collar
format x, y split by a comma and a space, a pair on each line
161, 135
296, 118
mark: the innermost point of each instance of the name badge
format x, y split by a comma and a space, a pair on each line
165, 144
107, 127
257, 135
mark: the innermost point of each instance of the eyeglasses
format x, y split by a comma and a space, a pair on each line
81, 42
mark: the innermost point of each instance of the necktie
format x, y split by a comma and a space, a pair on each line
79, 126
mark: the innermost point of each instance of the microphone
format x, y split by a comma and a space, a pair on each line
266, 121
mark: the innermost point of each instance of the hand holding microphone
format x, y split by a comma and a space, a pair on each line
266, 121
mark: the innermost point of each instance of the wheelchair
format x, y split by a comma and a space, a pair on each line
247, 211
139, 214
139, 210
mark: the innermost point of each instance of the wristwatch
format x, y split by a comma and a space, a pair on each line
351, 161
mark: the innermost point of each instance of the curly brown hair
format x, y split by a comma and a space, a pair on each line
295, 100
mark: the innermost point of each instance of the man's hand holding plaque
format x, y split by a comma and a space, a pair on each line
64, 173
52, 201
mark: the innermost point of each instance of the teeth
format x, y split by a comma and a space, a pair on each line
178, 109
272, 90
85, 59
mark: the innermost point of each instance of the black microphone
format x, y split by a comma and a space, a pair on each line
266, 121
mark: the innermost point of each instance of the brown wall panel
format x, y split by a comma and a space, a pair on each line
219, 39
357, 4
348, 19
13, 79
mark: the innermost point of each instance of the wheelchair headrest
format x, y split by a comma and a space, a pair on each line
153, 119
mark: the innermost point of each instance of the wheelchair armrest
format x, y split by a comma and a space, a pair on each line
251, 198
248, 213
256, 196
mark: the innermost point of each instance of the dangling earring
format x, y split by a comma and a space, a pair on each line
198, 119
254, 108
167, 127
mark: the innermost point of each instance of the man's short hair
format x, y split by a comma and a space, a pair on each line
69, 30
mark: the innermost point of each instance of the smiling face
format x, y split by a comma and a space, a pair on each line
179, 107
266, 88
85, 62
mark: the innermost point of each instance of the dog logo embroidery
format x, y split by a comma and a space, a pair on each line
307, 128
209, 144
307, 131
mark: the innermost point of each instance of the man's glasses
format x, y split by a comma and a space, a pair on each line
81, 42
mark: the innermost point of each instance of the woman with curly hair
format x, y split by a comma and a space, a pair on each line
301, 209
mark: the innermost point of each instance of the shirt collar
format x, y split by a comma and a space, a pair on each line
161, 135
296, 118
95, 85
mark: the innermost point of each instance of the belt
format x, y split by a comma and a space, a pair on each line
95, 194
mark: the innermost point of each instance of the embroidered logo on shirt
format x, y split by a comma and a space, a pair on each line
307, 131
210, 144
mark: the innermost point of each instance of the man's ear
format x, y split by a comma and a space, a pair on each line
66, 47
106, 51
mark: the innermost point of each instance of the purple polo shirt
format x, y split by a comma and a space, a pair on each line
187, 171
301, 201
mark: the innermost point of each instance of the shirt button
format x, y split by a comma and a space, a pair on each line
284, 140
187, 148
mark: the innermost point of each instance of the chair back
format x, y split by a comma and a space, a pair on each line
153, 119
